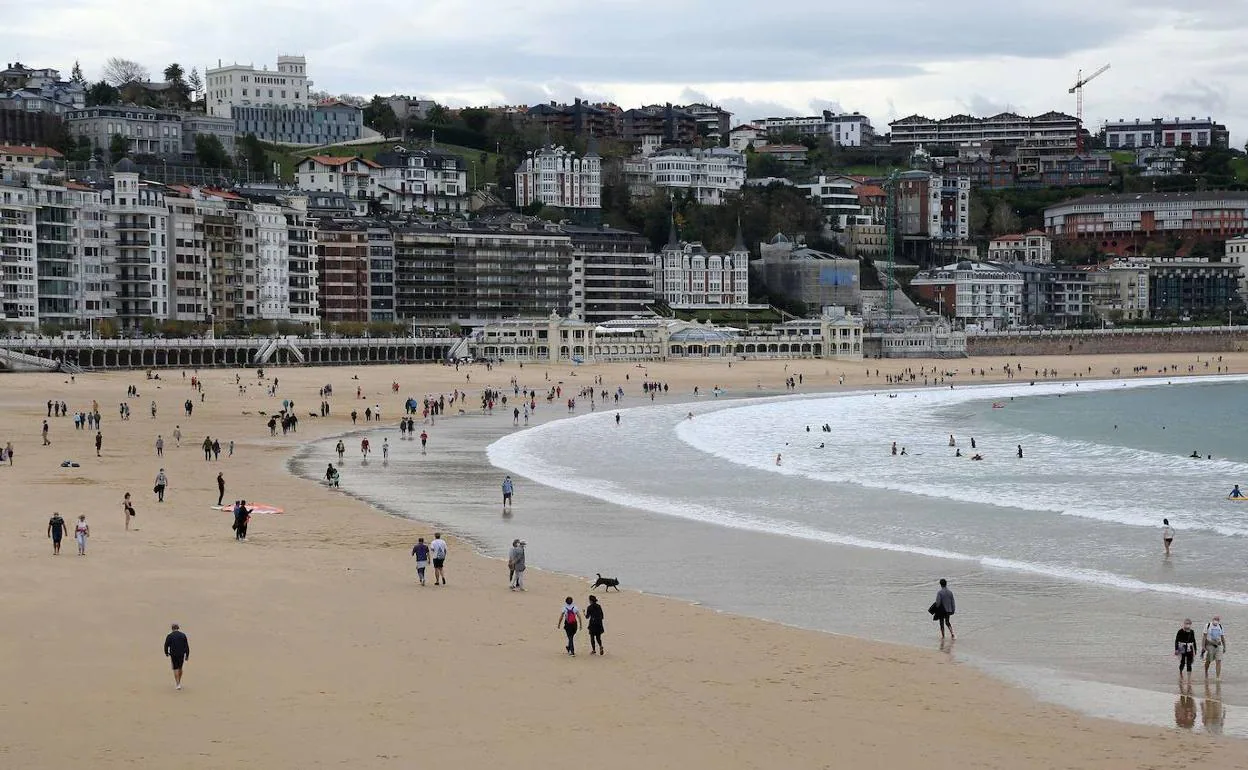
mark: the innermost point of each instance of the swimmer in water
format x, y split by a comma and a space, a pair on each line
894, 447
977, 457
903, 451
957, 453
821, 445
777, 459
1235, 491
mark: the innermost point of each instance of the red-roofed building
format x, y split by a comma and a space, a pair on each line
352, 175
25, 156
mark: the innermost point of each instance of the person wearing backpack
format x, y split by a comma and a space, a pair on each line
570, 620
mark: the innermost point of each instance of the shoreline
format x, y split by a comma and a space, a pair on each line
316, 631
1090, 691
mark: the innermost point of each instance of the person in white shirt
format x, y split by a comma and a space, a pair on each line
1167, 534
437, 552
1214, 645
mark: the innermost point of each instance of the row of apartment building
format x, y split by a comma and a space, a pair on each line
75, 251
1004, 295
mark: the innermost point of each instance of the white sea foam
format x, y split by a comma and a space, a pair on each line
744, 434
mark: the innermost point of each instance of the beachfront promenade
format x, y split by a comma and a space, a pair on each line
35, 353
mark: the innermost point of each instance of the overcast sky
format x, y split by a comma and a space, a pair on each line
887, 59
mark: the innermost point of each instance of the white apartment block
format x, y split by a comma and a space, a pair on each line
974, 292
95, 269
849, 129
555, 176
1165, 132
711, 175
1237, 252
138, 217
242, 85
189, 257
426, 179
18, 282
690, 277
272, 262
1004, 128
1032, 248
355, 177
837, 198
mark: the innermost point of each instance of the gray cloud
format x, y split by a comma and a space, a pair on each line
1205, 98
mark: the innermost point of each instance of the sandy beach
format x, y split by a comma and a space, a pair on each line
313, 645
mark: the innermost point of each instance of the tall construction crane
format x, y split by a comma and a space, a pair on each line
1077, 89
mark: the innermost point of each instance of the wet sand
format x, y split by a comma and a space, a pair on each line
312, 645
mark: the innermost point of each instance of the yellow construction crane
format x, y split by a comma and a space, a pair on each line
1077, 89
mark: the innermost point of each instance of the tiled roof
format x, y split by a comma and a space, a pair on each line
38, 152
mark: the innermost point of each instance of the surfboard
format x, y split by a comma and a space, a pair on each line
254, 508
1241, 499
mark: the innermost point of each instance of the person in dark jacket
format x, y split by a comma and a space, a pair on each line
943, 609
594, 617
178, 651
1185, 648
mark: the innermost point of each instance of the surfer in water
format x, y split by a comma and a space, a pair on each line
1235, 493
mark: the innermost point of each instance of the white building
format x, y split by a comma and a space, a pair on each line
353, 176
979, 293
425, 179
837, 198
554, 176
272, 262
1237, 252
709, 174
18, 282
689, 276
90, 235
137, 245
242, 85
849, 129
1032, 248
747, 135
1165, 132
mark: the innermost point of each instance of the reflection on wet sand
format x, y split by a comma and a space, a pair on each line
1185, 708
1212, 711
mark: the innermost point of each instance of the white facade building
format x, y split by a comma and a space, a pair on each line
242, 85
1237, 252
554, 176
747, 135
688, 276
986, 295
272, 262
849, 129
1165, 132
18, 282
837, 198
1032, 248
711, 175
353, 176
138, 216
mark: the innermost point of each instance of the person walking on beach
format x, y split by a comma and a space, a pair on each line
515, 564
162, 481
437, 549
242, 517
421, 552
56, 531
424, 440
220, 488
45, 434
207, 447
178, 651
160, 446
594, 616
81, 532
508, 490
569, 620
385, 449
127, 510
331, 475
1214, 645
943, 609
1167, 534
341, 449
1185, 648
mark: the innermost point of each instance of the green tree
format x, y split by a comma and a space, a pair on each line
106, 329
102, 93
1004, 219
251, 150
438, 114
196, 84
209, 151
118, 146
176, 76
75, 75
379, 116
475, 118
173, 73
